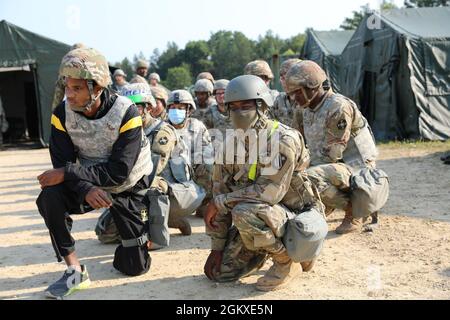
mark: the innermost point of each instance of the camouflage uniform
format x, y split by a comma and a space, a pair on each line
338, 136
217, 120
138, 79
297, 119
201, 113
204, 114
160, 93
284, 109
328, 128
205, 75
258, 209
195, 134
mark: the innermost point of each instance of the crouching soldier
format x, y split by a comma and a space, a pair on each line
101, 159
195, 136
339, 139
253, 214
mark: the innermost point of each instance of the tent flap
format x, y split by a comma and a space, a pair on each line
20, 47
437, 66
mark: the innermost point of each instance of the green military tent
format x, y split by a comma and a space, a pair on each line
29, 66
397, 67
325, 48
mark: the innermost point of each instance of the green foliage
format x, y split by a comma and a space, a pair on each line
438, 146
430, 3
269, 45
126, 66
225, 55
178, 77
198, 55
295, 43
353, 22
230, 52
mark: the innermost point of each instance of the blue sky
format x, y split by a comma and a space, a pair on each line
120, 28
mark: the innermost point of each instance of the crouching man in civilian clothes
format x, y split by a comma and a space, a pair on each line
101, 159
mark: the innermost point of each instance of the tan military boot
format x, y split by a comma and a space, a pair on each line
307, 266
185, 227
182, 224
349, 224
200, 212
280, 272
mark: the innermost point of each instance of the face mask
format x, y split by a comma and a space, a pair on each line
243, 119
177, 116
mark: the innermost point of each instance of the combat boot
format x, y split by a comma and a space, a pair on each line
200, 212
280, 272
185, 227
349, 224
182, 224
307, 266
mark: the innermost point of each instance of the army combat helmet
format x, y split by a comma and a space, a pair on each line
259, 68
249, 87
204, 85
86, 64
154, 76
181, 96
220, 85
139, 93
205, 75
245, 88
287, 64
160, 94
306, 74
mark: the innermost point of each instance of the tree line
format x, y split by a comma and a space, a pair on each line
226, 53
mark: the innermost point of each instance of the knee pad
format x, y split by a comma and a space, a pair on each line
132, 261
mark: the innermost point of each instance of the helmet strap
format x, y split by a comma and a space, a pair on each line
94, 97
308, 100
259, 124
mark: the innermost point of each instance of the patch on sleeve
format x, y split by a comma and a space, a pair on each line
342, 124
163, 141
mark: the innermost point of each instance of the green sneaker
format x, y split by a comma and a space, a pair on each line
70, 282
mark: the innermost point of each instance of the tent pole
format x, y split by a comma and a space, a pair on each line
38, 100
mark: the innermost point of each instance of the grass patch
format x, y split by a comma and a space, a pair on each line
417, 145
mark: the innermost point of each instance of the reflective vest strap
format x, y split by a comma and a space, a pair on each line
253, 167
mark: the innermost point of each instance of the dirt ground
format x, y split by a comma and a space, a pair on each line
408, 257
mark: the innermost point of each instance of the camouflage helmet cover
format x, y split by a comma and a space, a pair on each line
286, 65
160, 93
155, 76
142, 64
119, 72
306, 74
205, 75
204, 85
139, 93
87, 64
258, 68
78, 45
181, 96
